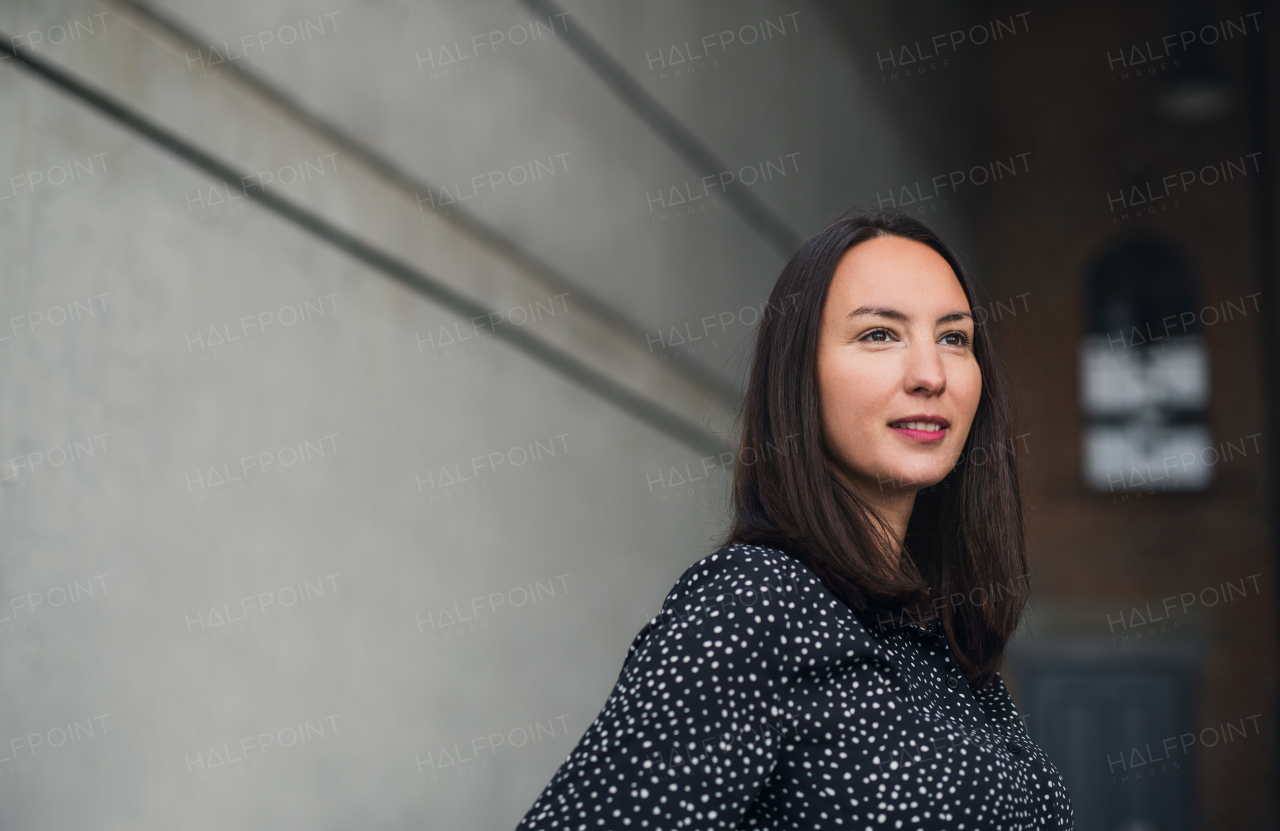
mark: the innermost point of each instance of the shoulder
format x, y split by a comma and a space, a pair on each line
769, 574
773, 594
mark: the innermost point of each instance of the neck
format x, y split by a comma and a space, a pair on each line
894, 505
897, 510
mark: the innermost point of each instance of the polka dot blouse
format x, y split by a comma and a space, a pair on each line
756, 699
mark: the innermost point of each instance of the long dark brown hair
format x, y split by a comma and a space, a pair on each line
964, 564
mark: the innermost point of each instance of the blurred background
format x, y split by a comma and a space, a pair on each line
369, 371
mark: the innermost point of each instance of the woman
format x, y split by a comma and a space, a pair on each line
835, 664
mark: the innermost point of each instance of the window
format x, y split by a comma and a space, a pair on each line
1144, 374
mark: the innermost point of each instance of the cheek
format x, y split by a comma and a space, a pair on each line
851, 393
970, 388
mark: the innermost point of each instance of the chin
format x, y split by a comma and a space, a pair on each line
924, 474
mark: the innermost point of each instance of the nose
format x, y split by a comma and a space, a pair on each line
923, 371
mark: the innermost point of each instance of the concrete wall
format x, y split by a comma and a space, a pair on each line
229, 529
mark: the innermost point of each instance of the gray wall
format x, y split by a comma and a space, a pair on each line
158, 483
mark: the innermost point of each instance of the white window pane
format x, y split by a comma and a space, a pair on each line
1118, 459
1112, 380
1179, 373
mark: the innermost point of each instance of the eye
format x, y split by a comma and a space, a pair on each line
963, 338
873, 332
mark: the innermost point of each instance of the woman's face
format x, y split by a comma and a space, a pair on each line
896, 347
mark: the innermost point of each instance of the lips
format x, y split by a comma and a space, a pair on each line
921, 427
921, 422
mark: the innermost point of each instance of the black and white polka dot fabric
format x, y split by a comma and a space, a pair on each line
756, 699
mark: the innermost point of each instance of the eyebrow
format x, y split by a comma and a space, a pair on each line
894, 314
